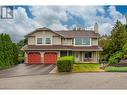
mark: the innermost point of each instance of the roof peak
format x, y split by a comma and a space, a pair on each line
43, 28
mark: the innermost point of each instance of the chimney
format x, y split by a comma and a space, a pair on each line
96, 28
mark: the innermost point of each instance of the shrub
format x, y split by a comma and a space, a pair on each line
125, 48
125, 56
113, 61
20, 59
65, 64
116, 69
115, 57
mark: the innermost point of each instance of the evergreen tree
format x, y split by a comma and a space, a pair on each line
114, 44
8, 51
118, 38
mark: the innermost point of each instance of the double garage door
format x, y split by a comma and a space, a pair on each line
35, 58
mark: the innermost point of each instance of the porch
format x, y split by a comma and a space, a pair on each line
82, 56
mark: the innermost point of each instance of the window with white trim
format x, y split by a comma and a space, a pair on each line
39, 40
44, 41
88, 55
48, 41
83, 41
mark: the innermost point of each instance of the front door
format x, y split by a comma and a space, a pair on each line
77, 56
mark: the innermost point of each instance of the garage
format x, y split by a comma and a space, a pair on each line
34, 58
50, 58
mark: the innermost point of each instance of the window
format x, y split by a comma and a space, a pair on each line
82, 41
39, 41
72, 41
88, 54
48, 41
44, 41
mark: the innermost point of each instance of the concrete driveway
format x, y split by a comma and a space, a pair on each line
99, 80
26, 70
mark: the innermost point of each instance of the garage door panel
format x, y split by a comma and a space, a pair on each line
34, 58
50, 58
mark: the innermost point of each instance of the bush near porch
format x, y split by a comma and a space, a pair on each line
86, 67
65, 64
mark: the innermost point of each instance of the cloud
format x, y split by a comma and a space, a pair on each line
116, 15
53, 16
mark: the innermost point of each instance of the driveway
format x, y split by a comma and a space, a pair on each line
101, 80
26, 70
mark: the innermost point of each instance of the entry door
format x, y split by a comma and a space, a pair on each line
77, 56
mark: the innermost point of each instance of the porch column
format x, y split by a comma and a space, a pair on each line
67, 53
42, 56
82, 56
58, 54
97, 57
26, 58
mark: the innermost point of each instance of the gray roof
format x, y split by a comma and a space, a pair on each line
78, 33
69, 33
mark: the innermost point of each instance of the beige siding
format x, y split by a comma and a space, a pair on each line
66, 41
94, 41
43, 34
31, 41
56, 39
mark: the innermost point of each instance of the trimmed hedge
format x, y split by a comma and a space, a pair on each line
65, 64
116, 69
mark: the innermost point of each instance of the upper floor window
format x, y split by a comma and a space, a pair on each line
44, 41
83, 41
39, 40
48, 41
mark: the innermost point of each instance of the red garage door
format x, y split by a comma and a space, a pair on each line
50, 58
34, 58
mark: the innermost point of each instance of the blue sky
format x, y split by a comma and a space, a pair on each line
28, 18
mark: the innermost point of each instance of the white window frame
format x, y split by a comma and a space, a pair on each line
44, 40
36, 41
82, 45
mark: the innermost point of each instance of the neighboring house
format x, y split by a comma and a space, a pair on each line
45, 45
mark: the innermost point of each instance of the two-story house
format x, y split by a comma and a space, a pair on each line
46, 46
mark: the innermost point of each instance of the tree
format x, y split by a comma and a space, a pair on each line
8, 51
115, 44
20, 44
118, 37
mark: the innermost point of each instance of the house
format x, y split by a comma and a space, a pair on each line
46, 46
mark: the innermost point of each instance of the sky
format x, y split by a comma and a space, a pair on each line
28, 18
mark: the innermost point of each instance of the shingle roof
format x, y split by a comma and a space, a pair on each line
62, 47
80, 33
70, 33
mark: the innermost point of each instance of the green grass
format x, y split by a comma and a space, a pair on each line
86, 67
116, 69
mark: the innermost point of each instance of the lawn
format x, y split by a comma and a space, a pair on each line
86, 67
116, 69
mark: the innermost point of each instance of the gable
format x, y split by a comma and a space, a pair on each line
42, 31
